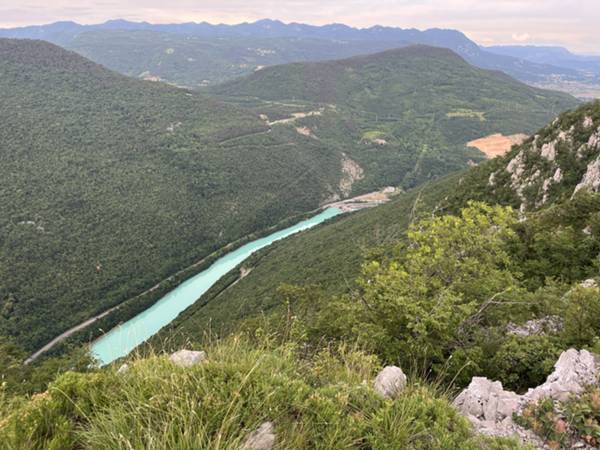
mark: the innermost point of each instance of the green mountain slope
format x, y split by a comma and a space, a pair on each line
328, 259
109, 185
403, 115
197, 61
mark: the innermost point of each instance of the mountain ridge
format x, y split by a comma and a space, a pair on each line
65, 33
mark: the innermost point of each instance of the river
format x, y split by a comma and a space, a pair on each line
121, 340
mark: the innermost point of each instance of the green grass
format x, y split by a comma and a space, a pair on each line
322, 402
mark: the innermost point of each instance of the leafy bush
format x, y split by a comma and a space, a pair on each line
582, 311
524, 362
427, 300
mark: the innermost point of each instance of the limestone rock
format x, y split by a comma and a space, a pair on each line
123, 369
187, 358
262, 438
572, 372
490, 408
549, 151
591, 179
542, 326
390, 382
487, 401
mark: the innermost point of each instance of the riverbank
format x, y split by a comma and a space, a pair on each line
122, 339
116, 314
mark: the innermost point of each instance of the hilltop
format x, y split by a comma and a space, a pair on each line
404, 115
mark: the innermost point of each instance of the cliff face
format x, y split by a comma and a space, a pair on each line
559, 161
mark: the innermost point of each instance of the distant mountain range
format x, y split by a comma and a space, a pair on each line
557, 56
200, 54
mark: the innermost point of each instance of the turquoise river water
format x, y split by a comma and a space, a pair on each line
121, 340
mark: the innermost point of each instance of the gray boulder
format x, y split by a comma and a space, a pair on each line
572, 373
262, 438
187, 358
490, 408
487, 401
390, 382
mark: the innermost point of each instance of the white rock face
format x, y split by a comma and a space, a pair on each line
549, 151
572, 372
590, 283
587, 122
261, 439
487, 401
187, 358
123, 369
490, 408
558, 176
594, 140
591, 179
390, 382
516, 167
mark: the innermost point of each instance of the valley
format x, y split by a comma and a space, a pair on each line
114, 216
280, 236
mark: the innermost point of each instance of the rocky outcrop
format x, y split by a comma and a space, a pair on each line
123, 369
545, 325
538, 170
591, 179
572, 373
262, 438
187, 358
390, 382
490, 408
590, 283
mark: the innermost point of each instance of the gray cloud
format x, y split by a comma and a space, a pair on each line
573, 23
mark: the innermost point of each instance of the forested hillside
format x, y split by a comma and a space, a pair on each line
109, 185
552, 178
404, 115
451, 291
197, 62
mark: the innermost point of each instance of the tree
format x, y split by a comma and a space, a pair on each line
421, 305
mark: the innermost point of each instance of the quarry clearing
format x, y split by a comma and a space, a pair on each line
364, 201
497, 144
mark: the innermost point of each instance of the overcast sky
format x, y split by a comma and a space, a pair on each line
572, 23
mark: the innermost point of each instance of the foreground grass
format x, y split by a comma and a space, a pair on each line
322, 402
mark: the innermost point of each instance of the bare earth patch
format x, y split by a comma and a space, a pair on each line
497, 144
369, 200
351, 172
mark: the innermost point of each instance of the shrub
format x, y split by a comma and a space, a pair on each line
581, 316
562, 424
524, 362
